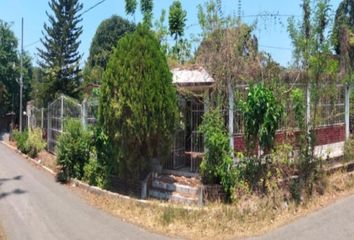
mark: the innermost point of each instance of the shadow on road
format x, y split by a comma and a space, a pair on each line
16, 178
17, 191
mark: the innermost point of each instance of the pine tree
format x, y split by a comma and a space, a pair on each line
60, 57
138, 105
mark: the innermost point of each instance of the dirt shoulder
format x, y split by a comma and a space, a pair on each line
251, 216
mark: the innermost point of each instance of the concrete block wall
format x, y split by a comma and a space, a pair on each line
325, 135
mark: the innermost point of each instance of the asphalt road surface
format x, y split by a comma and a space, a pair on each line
34, 206
335, 222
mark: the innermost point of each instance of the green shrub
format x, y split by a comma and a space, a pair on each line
138, 104
217, 165
73, 149
94, 173
21, 140
348, 150
262, 116
35, 142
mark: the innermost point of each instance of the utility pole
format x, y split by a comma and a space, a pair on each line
21, 75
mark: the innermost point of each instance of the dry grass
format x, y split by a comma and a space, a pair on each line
47, 159
250, 216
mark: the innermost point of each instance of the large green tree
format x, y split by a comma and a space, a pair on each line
10, 72
106, 37
138, 103
60, 58
343, 35
105, 40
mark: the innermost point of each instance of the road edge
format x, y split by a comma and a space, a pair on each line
96, 190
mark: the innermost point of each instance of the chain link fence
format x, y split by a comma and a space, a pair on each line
51, 120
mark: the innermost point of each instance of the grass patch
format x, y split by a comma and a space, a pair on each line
249, 216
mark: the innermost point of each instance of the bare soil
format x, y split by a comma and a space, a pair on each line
47, 159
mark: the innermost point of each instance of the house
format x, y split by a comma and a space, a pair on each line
194, 86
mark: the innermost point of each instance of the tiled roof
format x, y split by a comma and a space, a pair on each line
196, 76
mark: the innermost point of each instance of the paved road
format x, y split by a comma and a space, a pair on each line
335, 222
33, 206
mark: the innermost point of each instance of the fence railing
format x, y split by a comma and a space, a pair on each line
51, 120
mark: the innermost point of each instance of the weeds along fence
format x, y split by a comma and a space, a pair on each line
51, 120
329, 111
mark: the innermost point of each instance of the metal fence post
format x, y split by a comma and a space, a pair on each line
42, 118
49, 128
29, 116
347, 111
308, 106
84, 113
62, 113
231, 104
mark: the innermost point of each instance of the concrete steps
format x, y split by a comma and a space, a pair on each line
163, 188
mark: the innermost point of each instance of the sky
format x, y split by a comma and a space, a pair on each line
271, 32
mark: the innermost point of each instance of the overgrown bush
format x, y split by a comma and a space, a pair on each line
35, 142
21, 140
73, 149
348, 150
94, 174
217, 166
29, 143
311, 175
262, 116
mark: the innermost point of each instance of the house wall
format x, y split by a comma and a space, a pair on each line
329, 140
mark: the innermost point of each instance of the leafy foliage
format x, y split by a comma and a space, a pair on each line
60, 59
73, 149
130, 6
138, 107
348, 150
217, 165
35, 142
10, 72
93, 172
262, 116
146, 7
21, 140
344, 27
313, 53
177, 19
106, 37
29, 143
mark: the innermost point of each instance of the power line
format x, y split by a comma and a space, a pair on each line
92, 7
269, 15
275, 47
87, 10
31, 44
